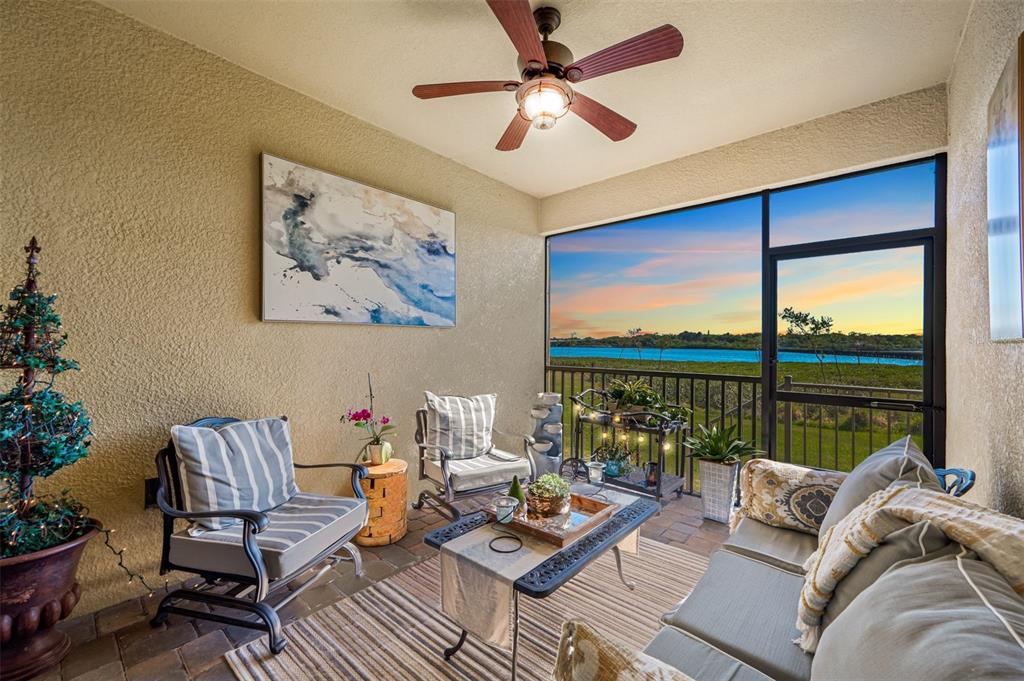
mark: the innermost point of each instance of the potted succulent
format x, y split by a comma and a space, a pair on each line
378, 449
616, 459
548, 495
718, 453
41, 537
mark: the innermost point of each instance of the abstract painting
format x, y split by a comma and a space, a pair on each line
335, 250
1005, 191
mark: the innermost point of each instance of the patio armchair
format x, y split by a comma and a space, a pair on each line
250, 555
454, 477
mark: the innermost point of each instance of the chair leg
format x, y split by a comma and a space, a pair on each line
355, 556
439, 504
270, 622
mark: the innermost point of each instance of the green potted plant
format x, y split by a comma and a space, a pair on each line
548, 495
718, 454
616, 458
41, 537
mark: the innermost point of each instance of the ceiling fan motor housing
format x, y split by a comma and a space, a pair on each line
558, 55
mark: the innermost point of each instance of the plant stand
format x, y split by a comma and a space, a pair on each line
657, 426
387, 499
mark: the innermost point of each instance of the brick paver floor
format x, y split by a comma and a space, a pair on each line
117, 643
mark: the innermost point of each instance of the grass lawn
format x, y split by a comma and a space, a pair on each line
822, 436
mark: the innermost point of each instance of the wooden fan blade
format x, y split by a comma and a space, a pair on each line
514, 134
661, 43
614, 126
516, 17
467, 88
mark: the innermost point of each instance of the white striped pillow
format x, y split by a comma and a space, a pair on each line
243, 465
462, 425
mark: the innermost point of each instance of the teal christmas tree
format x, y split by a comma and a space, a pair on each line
40, 430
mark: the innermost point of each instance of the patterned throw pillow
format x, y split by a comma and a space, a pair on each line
785, 495
243, 465
462, 425
585, 655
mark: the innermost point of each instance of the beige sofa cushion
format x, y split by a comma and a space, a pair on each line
785, 495
747, 610
901, 460
943, 618
781, 548
697, 659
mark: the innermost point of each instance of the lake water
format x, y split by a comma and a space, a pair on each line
715, 355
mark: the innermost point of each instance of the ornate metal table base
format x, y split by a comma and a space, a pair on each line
558, 569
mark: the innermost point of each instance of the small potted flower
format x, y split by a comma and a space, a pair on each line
616, 459
548, 495
374, 426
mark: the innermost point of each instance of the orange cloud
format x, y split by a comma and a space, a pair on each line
629, 297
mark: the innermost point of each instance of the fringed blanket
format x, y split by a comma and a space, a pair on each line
997, 539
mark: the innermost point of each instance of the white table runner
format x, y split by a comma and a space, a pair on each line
476, 581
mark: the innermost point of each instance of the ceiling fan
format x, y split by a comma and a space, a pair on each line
547, 68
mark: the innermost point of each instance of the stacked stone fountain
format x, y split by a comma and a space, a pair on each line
547, 433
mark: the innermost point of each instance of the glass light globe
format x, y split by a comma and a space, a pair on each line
544, 105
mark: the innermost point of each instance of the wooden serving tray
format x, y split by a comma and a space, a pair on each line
585, 514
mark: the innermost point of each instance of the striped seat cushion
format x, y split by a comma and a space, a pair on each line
461, 425
299, 530
494, 468
241, 465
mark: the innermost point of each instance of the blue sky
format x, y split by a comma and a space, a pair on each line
699, 269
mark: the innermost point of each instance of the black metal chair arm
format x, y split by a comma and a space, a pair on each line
358, 473
257, 519
443, 451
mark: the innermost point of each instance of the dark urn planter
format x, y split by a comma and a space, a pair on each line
37, 590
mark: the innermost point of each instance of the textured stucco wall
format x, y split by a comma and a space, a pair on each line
985, 383
908, 125
135, 159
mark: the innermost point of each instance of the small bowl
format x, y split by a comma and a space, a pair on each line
549, 399
540, 412
553, 428
542, 447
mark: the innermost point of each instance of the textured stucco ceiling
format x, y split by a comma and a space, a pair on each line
747, 68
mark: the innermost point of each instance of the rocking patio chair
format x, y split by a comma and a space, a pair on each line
454, 477
252, 554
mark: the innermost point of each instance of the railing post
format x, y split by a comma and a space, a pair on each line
787, 419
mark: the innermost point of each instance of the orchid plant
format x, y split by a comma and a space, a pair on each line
373, 425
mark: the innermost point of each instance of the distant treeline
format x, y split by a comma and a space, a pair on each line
845, 343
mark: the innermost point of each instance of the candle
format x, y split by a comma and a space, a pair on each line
595, 472
504, 509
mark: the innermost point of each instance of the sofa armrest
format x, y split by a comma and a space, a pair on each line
963, 480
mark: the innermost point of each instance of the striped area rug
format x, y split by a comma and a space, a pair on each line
395, 630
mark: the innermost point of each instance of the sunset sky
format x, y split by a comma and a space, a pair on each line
699, 269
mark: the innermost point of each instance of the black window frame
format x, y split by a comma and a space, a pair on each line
933, 240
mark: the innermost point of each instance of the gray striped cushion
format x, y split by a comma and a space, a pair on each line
462, 425
244, 465
299, 530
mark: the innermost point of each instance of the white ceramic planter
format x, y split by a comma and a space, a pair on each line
379, 453
717, 485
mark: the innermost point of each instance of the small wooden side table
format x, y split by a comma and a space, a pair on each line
387, 498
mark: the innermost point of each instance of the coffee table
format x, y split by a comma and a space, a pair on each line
561, 566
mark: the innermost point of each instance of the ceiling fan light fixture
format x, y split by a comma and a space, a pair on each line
543, 102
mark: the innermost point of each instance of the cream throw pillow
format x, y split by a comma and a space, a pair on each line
785, 495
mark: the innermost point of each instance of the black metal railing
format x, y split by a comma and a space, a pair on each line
715, 400
824, 436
